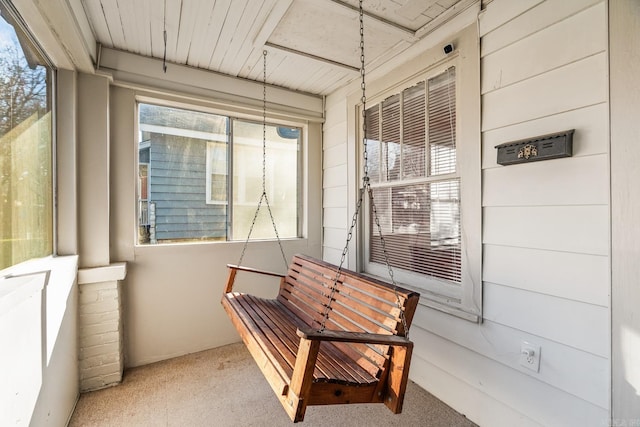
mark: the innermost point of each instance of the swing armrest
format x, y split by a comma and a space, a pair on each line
254, 270
233, 269
353, 337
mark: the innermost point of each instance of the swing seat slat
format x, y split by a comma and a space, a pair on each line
362, 356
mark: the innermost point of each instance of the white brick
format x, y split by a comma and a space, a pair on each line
99, 339
96, 318
100, 285
101, 359
92, 384
116, 377
99, 328
108, 294
99, 307
87, 296
97, 383
103, 349
100, 371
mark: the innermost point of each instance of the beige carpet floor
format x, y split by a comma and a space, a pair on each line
224, 387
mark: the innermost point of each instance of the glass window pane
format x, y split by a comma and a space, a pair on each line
281, 180
174, 147
420, 224
372, 118
391, 138
442, 123
26, 169
217, 173
413, 132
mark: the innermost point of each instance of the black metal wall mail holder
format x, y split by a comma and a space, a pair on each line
544, 147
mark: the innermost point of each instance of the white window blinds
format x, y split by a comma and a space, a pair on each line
418, 207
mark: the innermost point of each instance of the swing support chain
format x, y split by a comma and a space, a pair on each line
263, 196
366, 188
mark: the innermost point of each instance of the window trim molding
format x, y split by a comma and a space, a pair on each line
466, 59
304, 169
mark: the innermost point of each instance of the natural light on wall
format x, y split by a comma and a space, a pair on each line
26, 197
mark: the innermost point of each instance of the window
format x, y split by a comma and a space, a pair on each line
424, 170
200, 177
26, 168
415, 184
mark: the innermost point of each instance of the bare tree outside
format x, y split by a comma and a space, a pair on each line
23, 91
25, 151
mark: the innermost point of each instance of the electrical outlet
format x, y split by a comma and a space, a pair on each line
530, 356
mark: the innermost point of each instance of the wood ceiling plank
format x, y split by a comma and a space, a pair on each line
229, 32
200, 44
205, 47
93, 10
156, 28
112, 18
188, 15
232, 64
142, 14
244, 31
228, 36
130, 23
172, 23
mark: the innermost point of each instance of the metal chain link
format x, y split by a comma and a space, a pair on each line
366, 187
263, 196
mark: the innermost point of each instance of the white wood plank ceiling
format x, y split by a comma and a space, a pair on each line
313, 45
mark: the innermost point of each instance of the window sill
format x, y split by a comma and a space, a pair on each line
453, 311
429, 300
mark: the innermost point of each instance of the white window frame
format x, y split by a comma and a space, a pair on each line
303, 163
461, 299
14, 19
210, 147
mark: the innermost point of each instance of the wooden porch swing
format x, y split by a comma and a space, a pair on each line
331, 336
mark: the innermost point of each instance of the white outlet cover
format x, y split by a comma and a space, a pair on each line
530, 356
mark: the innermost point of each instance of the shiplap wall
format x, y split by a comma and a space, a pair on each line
335, 178
545, 226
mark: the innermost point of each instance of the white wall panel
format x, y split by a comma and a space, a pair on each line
570, 181
335, 176
573, 86
545, 227
590, 137
561, 366
335, 237
477, 405
335, 156
334, 217
336, 111
334, 135
331, 254
576, 324
562, 274
546, 405
625, 203
502, 11
536, 19
567, 41
334, 197
93, 170
580, 229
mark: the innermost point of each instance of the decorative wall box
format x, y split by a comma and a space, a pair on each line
544, 147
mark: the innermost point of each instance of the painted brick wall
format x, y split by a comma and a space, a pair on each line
101, 335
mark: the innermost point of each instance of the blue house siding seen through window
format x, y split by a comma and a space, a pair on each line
177, 187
